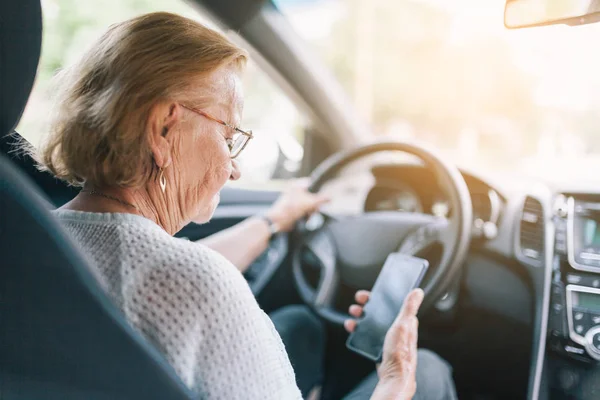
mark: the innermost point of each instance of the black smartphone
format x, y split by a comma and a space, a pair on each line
400, 274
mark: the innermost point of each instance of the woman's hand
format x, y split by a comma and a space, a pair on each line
399, 362
294, 203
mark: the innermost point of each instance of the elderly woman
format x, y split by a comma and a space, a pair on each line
140, 124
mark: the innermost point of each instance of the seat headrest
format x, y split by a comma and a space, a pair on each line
20, 45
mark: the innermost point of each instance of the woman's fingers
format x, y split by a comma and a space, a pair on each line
349, 325
355, 310
399, 361
411, 305
362, 296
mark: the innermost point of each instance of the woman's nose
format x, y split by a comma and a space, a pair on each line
235, 171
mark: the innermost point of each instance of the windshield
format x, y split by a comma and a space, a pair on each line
450, 75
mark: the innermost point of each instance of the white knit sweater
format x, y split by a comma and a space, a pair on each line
188, 301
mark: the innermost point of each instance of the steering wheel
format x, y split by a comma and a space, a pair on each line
352, 250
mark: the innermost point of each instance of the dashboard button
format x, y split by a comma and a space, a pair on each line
584, 280
558, 316
557, 290
574, 349
581, 321
557, 308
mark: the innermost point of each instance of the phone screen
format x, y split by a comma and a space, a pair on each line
400, 274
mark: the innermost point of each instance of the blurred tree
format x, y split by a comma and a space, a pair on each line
420, 74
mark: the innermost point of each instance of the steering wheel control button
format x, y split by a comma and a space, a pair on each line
578, 316
315, 222
579, 329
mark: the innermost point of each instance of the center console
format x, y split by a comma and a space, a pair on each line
573, 337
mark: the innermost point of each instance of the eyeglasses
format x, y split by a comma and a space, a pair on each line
240, 138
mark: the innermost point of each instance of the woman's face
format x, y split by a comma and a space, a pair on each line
201, 157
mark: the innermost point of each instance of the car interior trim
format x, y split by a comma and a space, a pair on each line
495, 206
543, 194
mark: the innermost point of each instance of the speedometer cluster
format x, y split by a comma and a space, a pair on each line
414, 189
393, 197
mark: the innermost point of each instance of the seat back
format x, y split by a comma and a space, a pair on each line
60, 335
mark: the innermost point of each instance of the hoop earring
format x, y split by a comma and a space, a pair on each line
162, 180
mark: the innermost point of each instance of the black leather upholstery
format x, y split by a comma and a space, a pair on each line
20, 44
60, 335
58, 192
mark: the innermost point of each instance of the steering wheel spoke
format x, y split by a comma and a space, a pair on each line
425, 236
322, 246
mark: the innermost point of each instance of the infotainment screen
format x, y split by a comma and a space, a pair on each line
591, 235
590, 301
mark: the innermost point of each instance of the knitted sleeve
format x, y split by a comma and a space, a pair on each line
202, 315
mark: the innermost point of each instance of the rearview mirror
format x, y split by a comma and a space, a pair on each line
528, 13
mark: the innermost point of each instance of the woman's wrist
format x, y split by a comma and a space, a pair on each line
277, 217
272, 225
390, 390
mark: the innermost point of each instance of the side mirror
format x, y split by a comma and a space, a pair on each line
530, 13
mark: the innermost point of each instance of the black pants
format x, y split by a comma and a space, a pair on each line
303, 335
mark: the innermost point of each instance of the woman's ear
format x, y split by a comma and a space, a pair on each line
163, 118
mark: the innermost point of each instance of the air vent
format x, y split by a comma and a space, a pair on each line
532, 230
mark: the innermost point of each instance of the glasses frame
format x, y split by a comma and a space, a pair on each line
248, 134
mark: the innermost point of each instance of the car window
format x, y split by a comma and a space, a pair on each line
70, 26
449, 74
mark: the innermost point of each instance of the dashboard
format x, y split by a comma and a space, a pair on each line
572, 347
557, 241
413, 188
554, 234
539, 265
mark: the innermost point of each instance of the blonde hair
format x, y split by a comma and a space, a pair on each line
98, 131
